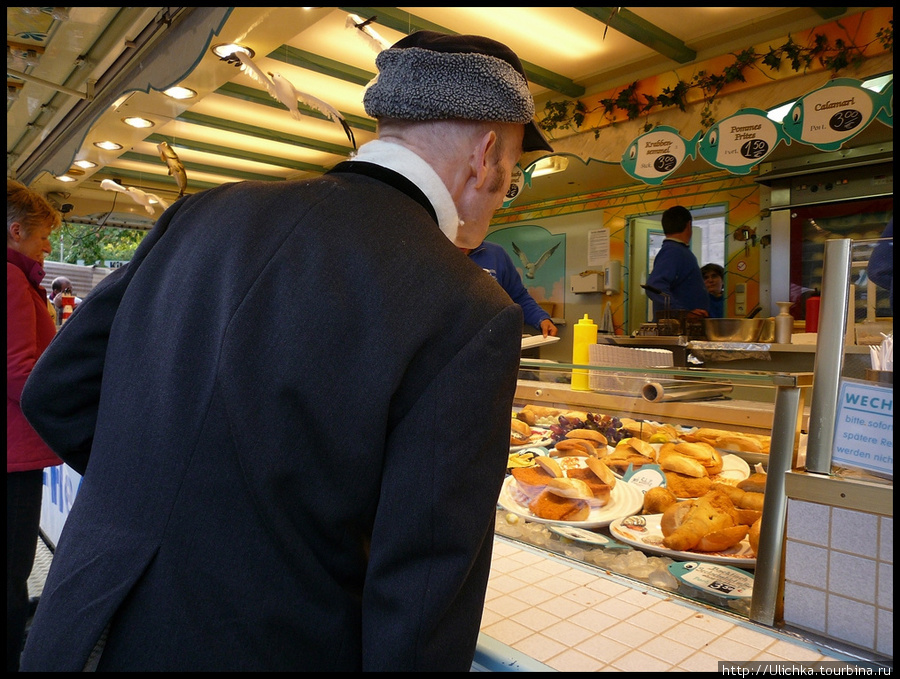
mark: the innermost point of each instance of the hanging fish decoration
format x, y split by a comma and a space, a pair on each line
369, 34
886, 114
741, 141
657, 154
141, 197
831, 115
283, 90
176, 167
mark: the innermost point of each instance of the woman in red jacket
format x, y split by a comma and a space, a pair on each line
29, 329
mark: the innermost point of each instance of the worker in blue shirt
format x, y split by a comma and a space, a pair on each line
496, 261
676, 273
714, 279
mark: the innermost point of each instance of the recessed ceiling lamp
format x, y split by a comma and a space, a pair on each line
136, 121
223, 51
86, 164
107, 145
66, 178
179, 92
549, 165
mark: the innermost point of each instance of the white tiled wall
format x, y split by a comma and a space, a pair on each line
839, 568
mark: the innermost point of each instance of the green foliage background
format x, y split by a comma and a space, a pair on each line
93, 244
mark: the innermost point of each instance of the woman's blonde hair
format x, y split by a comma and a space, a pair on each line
28, 208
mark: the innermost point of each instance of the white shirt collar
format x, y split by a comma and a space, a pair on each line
406, 162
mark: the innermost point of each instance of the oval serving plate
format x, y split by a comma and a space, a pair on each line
624, 500
643, 531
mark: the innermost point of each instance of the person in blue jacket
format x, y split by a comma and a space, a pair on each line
676, 273
881, 263
714, 279
496, 261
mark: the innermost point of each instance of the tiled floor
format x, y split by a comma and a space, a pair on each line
570, 619
575, 620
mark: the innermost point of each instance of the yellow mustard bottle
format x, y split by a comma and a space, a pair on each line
585, 336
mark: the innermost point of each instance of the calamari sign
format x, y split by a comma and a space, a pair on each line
829, 116
740, 141
657, 154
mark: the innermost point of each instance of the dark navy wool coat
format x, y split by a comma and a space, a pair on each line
292, 413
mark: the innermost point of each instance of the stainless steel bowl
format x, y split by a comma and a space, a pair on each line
733, 329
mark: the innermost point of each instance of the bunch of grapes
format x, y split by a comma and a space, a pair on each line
610, 427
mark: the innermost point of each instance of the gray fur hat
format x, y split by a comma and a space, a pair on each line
435, 76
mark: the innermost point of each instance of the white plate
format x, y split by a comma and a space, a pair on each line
624, 500
734, 470
540, 438
649, 538
585, 536
538, 341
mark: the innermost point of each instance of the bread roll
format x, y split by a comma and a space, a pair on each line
520, 433
579, 447
570, 487
550, 466
591, 435
675, 462
599, 491
602, 471
744, 444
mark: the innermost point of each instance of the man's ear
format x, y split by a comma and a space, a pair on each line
483, 158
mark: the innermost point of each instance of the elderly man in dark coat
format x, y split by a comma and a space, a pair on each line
284, 482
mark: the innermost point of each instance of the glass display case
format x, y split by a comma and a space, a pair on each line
667, 411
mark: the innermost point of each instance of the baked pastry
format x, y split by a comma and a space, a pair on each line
687, 486
755, 483
702, 523
658, 499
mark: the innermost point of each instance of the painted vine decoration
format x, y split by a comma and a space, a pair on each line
841, 55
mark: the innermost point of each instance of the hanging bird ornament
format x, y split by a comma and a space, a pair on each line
369, 34
140, 197
173, 162
532, 267
283, 90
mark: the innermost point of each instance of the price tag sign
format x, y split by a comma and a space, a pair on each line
647, 477
864, 427
724, 581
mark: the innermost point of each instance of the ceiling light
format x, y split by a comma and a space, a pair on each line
136, 121
66, 178
549, 165
107, 145
179, 92
225, 51
86, 164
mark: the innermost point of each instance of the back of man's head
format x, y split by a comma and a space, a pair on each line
430, 76
60, 284
675, 220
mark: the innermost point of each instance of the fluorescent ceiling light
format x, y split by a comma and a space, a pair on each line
549, 165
